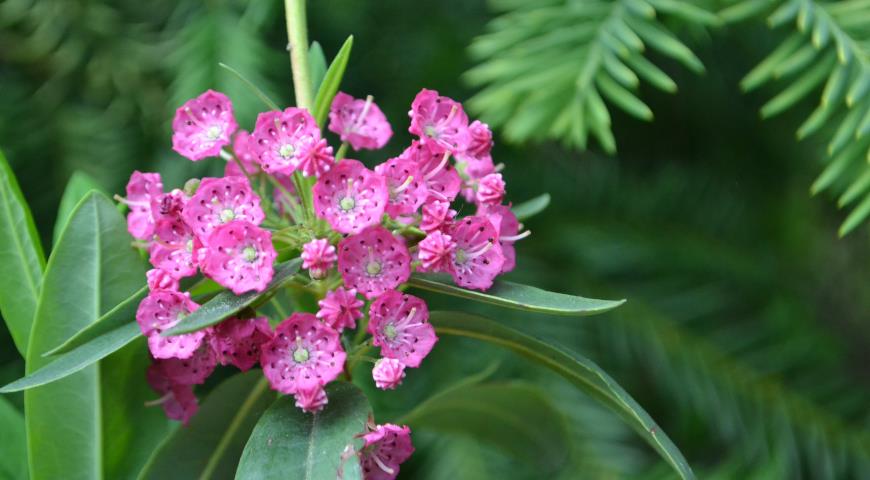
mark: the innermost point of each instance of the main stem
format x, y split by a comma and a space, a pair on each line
297, 36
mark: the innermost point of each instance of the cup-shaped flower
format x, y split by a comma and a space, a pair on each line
350, 197
161, 310
435, 252
373, 261
203, 125
305, 354
311, 399
174, 248
178, 401
361, 123
490, 190
441, 178
237, 341
437, 215
440, 122
219, 201
193, 370
385, 449
477, 258
399, 325
158, 279
318, 256
239, 255
168, 205
247, 155
407, 189
476, 161
508, 227
388, 373
340, 308
142, 189
313, 156
277, 135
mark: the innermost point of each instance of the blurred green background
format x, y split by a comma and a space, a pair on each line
746, 334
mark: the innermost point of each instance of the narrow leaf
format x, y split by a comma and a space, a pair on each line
858, 215
22, 259
575, 368
92, 269
289, 443
530, 208
517, 296
80, 183
226, 303
209, 447
317, 62
331, 81
13, 462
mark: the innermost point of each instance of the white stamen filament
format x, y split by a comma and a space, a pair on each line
438, 168
514, 238
362, 115
226, 155
404, 184
382, 466
499, 167
159, 401
479, 252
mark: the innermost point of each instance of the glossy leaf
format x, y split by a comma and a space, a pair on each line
78, 186
122, 314
581, 371
77, 359
532, 207
331, 81
289, 443
22, 259
226, 303
517, 296
516, 418
92, 269
209, 447
13, 461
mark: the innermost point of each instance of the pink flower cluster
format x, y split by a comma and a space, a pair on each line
373, 227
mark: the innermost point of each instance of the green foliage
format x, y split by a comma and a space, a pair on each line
13, 462
586, 53
22, 259
331, 81
828, 46
290, 443
78, 186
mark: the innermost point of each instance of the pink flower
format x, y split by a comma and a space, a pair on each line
168, 205
161, 310
173, 249
178, 401
387, 447
277, 136
442, 180
437, 215
158, 279
340, 308
203, 125
247, 155
476, 160
237, 341
490, 190
435, 252
311, 399
221, 200
440, 122
399, 325
141, 190
304, 355
318, 256
373, 261
193, 370
240, 256
388, 373
407, 190
282, 203
504, 220
477, 258
313, 156
350, 197
359, 122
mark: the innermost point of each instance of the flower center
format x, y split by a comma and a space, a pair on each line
373, 268
213, 132
347, 203
227, 214
300, 355
250, 254
461, 257
189, 246
429, 131
286, 150
390, 332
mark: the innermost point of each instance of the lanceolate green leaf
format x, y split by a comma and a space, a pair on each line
22, 259
331, 82
517, 418
78, 186
289, 443
226, 303
577, 369
517, 296
210, 446
13, 461
92, 269
532, 207
317, 62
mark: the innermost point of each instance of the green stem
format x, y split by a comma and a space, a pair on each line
342, 151
297, 36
